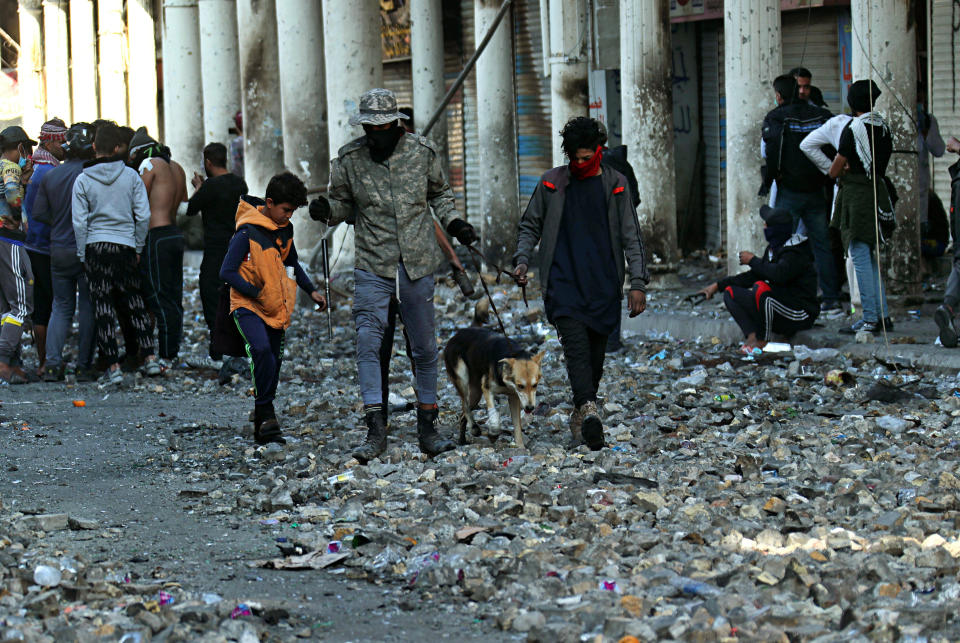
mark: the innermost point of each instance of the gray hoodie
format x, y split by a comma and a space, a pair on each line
110, 205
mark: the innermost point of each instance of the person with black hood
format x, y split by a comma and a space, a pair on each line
779, 292
863, 211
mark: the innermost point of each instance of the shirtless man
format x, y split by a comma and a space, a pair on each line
162, 262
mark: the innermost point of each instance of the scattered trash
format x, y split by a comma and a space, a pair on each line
79, 403
240, 610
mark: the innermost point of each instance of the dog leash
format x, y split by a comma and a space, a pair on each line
478, 260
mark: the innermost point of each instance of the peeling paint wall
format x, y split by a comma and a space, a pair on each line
260, 93
182, 86
752, 60
220, 57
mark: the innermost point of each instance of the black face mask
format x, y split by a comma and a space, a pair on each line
383, 142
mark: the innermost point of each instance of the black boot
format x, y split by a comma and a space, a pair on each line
266, 429
431, 442
376, 442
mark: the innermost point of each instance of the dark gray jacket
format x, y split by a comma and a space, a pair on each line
541, 223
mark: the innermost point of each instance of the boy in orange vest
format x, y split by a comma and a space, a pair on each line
263, 272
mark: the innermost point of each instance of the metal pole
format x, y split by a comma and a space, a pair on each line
469, 66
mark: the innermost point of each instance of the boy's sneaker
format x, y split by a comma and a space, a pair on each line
944, 320
53, 374
112, 376
870, 327
87, 374
153, 367
831, 310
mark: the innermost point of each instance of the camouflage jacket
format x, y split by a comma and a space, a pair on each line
392, 201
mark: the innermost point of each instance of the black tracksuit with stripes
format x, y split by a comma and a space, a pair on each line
778, 294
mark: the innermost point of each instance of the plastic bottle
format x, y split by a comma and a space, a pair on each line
341, 477
132, 637
46, 576
694, 587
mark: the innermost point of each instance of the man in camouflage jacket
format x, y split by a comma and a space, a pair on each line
389, 179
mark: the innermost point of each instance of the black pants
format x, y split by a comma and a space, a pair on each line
584, 350
115, 288
42, 288
265, 348
386, 349
210, 286
756, 310
162, 268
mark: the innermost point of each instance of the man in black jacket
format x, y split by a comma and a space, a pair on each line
582, 217
799, 182
779, 292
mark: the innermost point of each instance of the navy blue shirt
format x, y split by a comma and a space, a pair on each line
583, 280
54, 203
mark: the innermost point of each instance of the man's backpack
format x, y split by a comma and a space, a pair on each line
783, 133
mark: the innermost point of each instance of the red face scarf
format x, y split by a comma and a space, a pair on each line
581, 171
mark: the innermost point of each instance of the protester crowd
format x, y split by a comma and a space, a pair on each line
89, 225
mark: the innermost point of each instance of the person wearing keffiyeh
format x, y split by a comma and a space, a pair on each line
860, 165
47, 156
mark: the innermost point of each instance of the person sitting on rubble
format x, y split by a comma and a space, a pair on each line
779, 292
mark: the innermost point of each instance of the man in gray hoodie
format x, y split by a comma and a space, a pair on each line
111, 212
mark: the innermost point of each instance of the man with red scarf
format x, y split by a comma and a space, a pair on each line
583, 217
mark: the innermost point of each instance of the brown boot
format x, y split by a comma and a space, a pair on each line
592, 427
576, 435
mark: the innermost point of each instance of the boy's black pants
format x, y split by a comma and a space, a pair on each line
265, 349
584, 350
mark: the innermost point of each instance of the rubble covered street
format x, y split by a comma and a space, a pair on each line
804, 495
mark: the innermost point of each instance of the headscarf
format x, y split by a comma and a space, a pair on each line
53, 131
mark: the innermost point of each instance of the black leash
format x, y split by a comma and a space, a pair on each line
478, 261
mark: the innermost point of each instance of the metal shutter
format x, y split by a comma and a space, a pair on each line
470, 142
534, 148
398, 78
713, 112
945, 88
822, 53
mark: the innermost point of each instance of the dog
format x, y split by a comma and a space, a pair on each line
483, 363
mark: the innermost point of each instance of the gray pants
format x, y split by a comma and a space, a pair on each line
952, 295
69, 289
371, 301
16, 297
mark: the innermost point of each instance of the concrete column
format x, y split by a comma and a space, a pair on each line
751, 33
647, 88
426, 50
496, 120
303, 97
111, 38
56, 55
182, 93
353, 57
83, 61
888, 37
568, 68
142, 54
260, 93
221, 68
30, 66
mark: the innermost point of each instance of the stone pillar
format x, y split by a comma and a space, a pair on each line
142, 56
56, 56
353, 57
113, 85
30, 66
751, 33
221, 68
83, 61
260, 93
182, 91
647, 88
568, 68
888, 37
426, 50
496, 119
303, 97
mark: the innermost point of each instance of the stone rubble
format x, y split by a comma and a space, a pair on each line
738, 498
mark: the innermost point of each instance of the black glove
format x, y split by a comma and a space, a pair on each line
463, 232
320, 209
